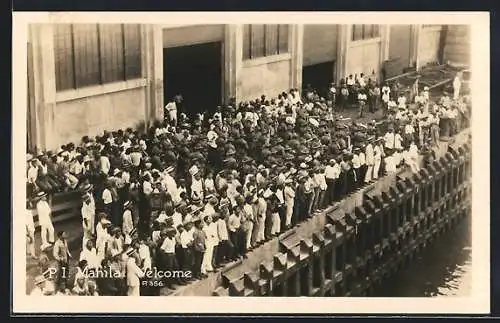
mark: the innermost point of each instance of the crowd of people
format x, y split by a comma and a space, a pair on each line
192, 194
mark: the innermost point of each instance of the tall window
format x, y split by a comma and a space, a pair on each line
264, 40
360, 32
91, 54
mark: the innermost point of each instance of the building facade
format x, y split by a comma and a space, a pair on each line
87, 78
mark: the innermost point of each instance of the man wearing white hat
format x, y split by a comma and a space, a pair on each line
134, 274
44, 219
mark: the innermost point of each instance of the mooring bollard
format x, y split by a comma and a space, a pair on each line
319, 271
344, 254
373, 205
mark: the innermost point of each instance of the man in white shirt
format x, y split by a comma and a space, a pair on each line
361, 80
411, 157
177, 217
44, 219
289, 194
362, 99
186, 238
434, 127
170, 113
212, 240
363, 167
134, 274
88, 215
196, 183
102, 235
145, 255
33, 172
402, 101
369, 160
398, 141
377, 157
456, 86
397, 157
127, 222
389, 139
390, 165
409, 132
107, 199
260, 212
105, 164
89, 253
332, 173
223, 246
425, 94
356, 168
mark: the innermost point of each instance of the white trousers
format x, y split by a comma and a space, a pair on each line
369, 173
47, 229
206, 263
456, 92
262, 225
376, 168
248, 235
172, 115
134, 291
289, 213
276, 223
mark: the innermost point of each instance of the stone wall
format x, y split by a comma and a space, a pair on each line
320, 44
429, 45
91, 115
267, 75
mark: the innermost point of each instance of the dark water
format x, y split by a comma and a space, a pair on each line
442, 269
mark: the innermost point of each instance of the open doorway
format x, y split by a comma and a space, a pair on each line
318, 76
195, 72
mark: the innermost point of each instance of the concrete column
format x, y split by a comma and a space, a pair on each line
157, 76
44, 84
385, 37
152, 55
297, 51
343, 39
233, 57
416, 31
147, 71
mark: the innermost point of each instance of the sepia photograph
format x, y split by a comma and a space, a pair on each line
314, 158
